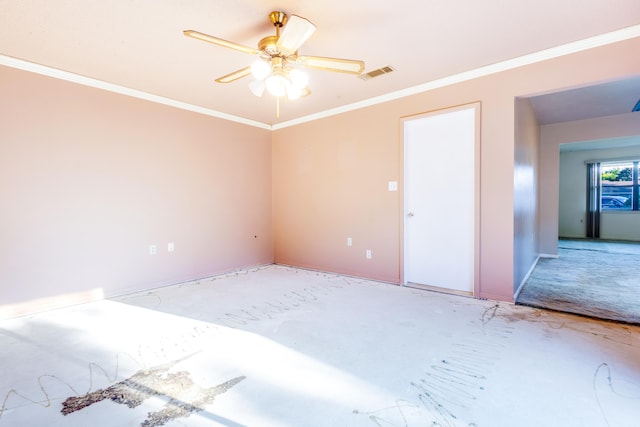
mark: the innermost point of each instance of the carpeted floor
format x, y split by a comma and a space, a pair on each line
591, 278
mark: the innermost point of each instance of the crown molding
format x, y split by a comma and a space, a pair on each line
555, 52
543, 55
99, 84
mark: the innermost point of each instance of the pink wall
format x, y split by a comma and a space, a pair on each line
89, 179
330, 182
525, 187
329, 176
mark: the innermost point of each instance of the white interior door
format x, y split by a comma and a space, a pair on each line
439, 199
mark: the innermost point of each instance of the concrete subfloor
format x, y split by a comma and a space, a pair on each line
278, 346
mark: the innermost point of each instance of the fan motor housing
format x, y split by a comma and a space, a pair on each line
269, 45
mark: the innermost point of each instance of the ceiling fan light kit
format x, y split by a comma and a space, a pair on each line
277, 84
260, 69
299, 78
278, 66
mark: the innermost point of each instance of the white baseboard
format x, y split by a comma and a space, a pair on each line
526, 276
548, 256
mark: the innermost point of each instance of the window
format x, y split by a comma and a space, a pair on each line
620, 184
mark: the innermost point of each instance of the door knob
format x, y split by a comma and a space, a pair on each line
410, 214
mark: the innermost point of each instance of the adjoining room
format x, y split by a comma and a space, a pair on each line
590, 146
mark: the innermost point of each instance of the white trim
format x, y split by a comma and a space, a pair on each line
543, 55
526, 277
99, 84
549, 256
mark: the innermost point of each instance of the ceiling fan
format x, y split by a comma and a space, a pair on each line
278, 68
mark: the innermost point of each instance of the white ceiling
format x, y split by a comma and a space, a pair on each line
599, 100
605, 99
139, 44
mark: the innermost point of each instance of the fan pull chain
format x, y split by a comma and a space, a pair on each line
277, 107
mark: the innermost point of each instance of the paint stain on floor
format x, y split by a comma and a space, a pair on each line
183, 397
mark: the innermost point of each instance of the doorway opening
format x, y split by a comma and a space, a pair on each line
596, 270
584, 133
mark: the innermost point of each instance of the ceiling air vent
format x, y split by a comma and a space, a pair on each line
377, 72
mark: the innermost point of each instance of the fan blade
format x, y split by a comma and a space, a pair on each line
295, 33
231, 77
349, 66
220, 42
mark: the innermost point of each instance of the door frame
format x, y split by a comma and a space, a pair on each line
476, 106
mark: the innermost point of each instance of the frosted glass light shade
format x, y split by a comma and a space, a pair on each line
260, 69
277, 84
299, 78
257, 87
294, 92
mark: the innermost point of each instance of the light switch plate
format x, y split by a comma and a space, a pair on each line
393, 185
